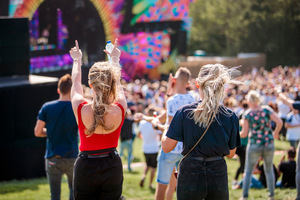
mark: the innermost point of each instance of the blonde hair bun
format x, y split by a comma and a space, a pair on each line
212, 79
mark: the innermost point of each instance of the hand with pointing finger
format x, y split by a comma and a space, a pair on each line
75, 52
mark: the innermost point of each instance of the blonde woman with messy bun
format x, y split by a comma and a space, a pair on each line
203, 170
98, 171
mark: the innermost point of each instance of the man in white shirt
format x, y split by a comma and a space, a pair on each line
292, 125
178, 96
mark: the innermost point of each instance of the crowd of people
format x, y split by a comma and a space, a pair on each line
264, 86
261, 88
186, 124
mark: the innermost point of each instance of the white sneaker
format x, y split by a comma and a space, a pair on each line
233, 184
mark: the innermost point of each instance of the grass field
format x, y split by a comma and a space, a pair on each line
38, 189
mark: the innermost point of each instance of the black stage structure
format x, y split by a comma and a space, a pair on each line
22, 95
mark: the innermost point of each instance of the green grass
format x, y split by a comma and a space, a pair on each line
38, 189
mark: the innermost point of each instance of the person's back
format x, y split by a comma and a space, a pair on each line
173, 104
178, 96
149, 135
209, 131
100, 123
101, 138
62, 130
292, 124
288, 169
257, 122
216, 142
113, 118
126, 138
150, 147
57, 122
126, 131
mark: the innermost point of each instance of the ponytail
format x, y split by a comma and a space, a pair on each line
212, 80
102, 77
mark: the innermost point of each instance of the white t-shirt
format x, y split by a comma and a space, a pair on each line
283, 109
195, 94
293, 133
173, 104
150, 140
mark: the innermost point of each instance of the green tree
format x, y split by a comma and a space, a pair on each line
227, 27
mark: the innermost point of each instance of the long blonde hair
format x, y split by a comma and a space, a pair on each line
103, 78
211, 79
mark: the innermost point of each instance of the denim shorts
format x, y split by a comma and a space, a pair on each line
165, 165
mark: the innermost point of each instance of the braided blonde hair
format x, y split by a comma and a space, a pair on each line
103, 77
211, 79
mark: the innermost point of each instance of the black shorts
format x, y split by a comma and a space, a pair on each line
151, 159
98, 178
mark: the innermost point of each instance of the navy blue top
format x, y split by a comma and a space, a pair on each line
222, 135
296, 105
62, 130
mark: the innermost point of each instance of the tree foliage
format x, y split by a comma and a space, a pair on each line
227, 27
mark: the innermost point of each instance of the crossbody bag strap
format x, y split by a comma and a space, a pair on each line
195, 144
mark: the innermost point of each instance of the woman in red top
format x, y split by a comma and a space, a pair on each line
98, 172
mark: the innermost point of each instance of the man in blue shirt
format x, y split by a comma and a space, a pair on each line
57, 122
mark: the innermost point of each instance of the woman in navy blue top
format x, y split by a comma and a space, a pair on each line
203, 173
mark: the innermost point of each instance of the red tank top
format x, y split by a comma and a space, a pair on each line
98, 141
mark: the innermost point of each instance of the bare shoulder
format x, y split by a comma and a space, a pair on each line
87, 115
123, 103
115, 111
112, 119
76, 101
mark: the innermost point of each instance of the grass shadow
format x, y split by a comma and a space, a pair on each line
133, 172
17, 186
152, 190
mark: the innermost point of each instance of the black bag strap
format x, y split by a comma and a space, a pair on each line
196, 143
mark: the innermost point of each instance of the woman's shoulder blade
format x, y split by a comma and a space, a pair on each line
112, 118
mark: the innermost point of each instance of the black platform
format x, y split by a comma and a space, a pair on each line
22, 154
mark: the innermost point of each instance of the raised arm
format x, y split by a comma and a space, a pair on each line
286, 100
115, 57
76, 90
